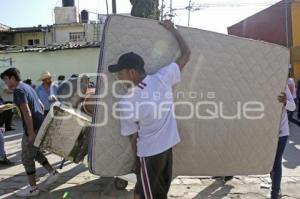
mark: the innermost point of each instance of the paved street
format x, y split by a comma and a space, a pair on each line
76, 182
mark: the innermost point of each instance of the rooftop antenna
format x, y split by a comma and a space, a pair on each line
171, 8
189, 9
114, 7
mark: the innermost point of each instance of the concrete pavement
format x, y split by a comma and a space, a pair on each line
76, 182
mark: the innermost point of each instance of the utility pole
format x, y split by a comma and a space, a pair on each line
189, 9
162, 10
79, 18
114, 7
287, 35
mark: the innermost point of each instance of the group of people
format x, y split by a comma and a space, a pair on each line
152, 139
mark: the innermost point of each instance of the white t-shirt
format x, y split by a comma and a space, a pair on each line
290, 106
291, 82
150, 111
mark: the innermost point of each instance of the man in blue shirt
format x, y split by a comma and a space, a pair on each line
46, 90
32, 115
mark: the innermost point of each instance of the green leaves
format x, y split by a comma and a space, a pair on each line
145, 8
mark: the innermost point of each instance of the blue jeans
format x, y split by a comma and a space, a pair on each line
276, 172
2, 150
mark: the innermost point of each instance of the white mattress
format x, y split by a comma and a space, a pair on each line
61, 130
233, 69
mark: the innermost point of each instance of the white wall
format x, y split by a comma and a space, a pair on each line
62, 62
91, 29
65, 15
62, 32
49, 38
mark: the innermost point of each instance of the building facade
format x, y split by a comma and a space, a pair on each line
295, 50
279, 24
67, 29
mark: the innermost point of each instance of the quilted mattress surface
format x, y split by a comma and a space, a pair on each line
228, 90
61, 130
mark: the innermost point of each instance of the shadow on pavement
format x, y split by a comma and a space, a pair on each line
218, 189
99, 188
15, 182
292, 117
13, 177
292, 150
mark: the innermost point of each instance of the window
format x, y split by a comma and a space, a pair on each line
77, 36
3, 38
30, 42
33, 42
36, 42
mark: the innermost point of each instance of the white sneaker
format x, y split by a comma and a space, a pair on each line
269, 195
28, 191
52, 178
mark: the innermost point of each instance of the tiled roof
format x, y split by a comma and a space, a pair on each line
4, 27
14, 49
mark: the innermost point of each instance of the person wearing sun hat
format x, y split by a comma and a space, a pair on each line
46, 90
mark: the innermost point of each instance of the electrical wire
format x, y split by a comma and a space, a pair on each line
196, 5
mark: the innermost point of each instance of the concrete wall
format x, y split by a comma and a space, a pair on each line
58, 34
6, 38
93, 32
63, 62
271, 25
296, 38
21, 39
65, 15
49, 38
62, 32
296, 23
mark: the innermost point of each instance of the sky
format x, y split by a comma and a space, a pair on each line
214, 15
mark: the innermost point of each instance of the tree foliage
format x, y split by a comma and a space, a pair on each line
145, 8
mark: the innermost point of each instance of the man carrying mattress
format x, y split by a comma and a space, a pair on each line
32, 114
152, 134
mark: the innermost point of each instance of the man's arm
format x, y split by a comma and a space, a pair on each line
42, 105
28, 121
8, 91
52, 97
292, 88
184, 49
287, 99
290, 103
133, 141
